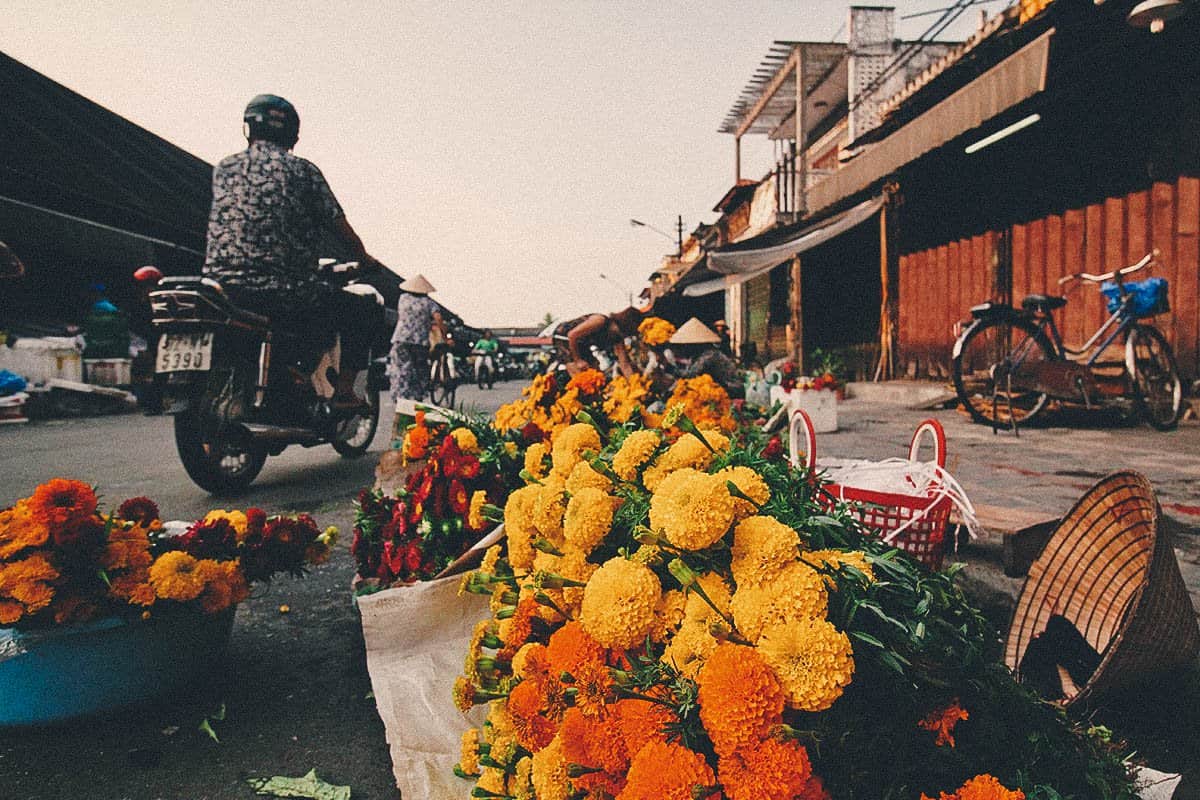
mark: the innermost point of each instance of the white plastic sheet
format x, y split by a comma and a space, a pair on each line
416, 638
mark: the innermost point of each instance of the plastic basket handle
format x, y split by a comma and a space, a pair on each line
802, 440
929, 429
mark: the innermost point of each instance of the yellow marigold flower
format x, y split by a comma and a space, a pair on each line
749, 483
796, 593
692, 509
20, 528
668, 615
491, 558
224, 585
492, 780
717, 591
549, 772
618, 603
549, 508
589, 518
624, 396
762, 548
475, 520
499, 722
466, 440
173, 576
584, 476
655, 331
574, 565
236, 519
570, 444
518, 526
511, 449
469, 759
740, 698
635, 451
812, 659
690, 647
836, 558
535, 460
520, 785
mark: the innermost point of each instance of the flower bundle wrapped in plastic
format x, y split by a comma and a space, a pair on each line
63, 560
675, 617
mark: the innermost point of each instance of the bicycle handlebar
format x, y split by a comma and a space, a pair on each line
1115, 274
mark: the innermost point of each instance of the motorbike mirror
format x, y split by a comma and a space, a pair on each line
147, 273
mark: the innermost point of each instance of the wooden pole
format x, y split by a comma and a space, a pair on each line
800, 206
737, 160
889, 284
796, 323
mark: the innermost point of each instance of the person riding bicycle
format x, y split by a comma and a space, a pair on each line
574, 338
408, 363
271, 211
485, 351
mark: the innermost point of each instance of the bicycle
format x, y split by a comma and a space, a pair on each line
1008, 363
443, 380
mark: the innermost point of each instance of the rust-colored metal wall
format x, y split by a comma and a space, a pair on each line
939, 284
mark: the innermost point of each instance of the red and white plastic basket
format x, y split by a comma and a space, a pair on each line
915, 520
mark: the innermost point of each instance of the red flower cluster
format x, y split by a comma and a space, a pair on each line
265, 545
417, 534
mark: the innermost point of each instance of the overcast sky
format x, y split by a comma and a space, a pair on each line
498, 148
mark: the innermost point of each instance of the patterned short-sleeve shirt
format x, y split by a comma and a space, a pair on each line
270, 211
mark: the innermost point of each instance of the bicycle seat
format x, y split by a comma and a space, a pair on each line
1042, 302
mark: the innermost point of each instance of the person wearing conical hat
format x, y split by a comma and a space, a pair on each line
701, 347
408, 361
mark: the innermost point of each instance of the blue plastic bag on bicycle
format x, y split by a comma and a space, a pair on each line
1149, 296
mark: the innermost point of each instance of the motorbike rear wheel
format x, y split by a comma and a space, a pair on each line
355, 434
216, 463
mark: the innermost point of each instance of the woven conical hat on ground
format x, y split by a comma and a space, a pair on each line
694, 332
417, 285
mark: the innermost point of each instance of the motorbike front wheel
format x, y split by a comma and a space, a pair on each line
354, 435
216, 463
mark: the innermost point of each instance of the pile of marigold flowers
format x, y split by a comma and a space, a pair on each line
655, 331
673, 616
63, 560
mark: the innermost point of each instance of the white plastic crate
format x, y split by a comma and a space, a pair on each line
108, 371
41, 360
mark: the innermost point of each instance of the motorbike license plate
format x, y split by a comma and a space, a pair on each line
184, 352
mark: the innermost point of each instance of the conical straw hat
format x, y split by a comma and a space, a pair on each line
694, 332
417, 285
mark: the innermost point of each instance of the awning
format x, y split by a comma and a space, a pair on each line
1014, 80
740, 262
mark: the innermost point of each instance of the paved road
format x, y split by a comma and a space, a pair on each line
294, 685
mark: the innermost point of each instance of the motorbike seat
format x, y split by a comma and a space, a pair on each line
1042, 302
212, 293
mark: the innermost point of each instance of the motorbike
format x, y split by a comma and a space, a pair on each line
236, 390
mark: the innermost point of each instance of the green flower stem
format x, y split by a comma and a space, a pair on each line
739, 494
544, 545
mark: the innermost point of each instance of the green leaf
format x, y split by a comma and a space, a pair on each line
207, 727
309, 786
868, 638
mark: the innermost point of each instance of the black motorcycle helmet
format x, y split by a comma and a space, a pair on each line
272, 118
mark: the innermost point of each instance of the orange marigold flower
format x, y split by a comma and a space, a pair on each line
19, 529
590, 381
771, 769
520, 629
570, 647
740, 698
981, 787
536, 706
224, 585
942, 721
25, 587
641, 721
595, 742
667, 771
60, 502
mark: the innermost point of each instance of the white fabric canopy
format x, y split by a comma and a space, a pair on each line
739, 266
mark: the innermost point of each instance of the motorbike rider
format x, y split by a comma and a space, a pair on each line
271, 211
485, 351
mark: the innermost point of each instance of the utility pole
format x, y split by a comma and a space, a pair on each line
679, 229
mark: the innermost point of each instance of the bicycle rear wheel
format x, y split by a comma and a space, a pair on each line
443, 386
986, 353
1157, 389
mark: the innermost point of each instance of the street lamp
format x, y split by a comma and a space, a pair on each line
678, 239
628, 292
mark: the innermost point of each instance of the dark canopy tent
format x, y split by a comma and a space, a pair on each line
87, 196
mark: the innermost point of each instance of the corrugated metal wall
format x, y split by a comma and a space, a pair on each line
939, 284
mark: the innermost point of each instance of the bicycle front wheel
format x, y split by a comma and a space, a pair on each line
989, 351
1157, 389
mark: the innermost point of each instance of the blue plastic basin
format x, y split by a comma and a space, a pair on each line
75, 670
